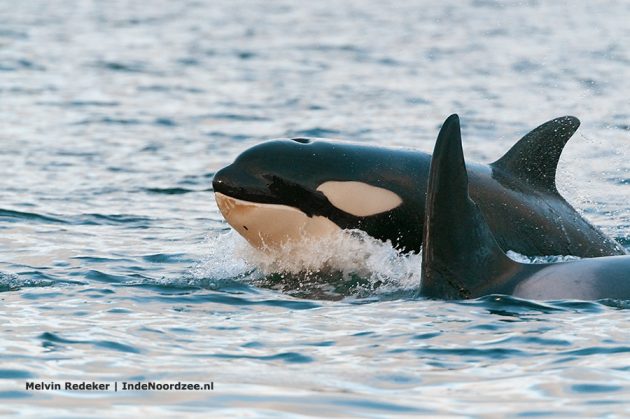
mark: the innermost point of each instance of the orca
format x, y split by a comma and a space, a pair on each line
461, 258
286, 189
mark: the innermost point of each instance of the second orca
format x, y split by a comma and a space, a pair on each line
462, 259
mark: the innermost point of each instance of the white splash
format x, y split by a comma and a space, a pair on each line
352, 254
518, 257
222, 263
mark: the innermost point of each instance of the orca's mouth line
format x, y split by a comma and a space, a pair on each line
246, 195
229, 202
278, 191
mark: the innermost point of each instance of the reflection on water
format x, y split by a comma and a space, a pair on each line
115, 264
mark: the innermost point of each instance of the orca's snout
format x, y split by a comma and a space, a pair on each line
248, 176
236, 182
233, 181
221, 180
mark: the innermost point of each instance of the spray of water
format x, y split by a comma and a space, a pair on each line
347, 264
540, 259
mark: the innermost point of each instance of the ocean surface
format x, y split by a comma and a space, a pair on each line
116, 266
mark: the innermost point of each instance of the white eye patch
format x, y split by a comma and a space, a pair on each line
358, 198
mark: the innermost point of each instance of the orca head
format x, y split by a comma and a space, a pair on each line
286, 189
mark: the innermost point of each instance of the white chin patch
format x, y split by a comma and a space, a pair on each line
358, 198
271, 225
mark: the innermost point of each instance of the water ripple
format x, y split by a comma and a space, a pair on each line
12, 215
50, 340
288, 357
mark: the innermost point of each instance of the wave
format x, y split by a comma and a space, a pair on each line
13, 282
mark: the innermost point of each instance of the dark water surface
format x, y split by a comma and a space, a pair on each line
115, 264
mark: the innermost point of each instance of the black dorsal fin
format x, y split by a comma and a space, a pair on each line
460, 257
534, 158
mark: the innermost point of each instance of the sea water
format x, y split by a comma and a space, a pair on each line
117, 268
